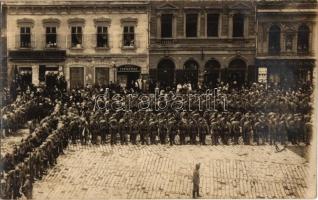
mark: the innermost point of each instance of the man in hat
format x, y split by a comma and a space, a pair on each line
27, 188
196, 181
134, 130
113, 129
215, 132
163, 131
172, 130
203, 130
121, 130
16, 183
153, 130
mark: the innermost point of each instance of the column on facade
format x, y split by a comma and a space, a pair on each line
246, 22
89, 75
35, 75
112, 74
159, 25
230, 25
174, 25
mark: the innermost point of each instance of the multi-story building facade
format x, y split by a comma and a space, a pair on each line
91, 42
202, 41
287, 36
164, 41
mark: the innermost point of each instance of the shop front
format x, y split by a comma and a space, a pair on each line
288, 73
129, 76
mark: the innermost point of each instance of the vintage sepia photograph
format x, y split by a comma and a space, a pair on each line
158, 99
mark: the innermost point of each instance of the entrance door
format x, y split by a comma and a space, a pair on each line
42, 69
24, 78
76, 77
236, 73
166, 73
191, 72
212, 73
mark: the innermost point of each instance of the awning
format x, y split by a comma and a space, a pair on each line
37, 55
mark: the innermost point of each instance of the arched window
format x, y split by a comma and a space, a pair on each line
274, 39
238, 25
303, 39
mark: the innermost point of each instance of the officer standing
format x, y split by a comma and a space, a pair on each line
196, 181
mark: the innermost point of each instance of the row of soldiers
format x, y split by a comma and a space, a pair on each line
25, 108
29, 161
163, 127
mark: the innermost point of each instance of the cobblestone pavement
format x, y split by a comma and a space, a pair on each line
161, 171
7, 143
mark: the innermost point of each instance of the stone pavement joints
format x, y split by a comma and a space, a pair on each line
161, 171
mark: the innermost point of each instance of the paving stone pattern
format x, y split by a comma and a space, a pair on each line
161, 171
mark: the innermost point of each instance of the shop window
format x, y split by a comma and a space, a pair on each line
191, 25
101, 75
212, 25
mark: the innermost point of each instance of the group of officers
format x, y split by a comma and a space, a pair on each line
73, 118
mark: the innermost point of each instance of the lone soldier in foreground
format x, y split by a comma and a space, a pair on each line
196, 181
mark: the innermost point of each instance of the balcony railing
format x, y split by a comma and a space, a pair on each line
201, 41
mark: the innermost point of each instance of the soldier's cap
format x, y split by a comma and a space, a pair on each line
197, 166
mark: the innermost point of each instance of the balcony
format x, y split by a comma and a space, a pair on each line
203, 42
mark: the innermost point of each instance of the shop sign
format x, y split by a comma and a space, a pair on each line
128, 68
262, 74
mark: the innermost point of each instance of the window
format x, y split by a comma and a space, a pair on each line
238, 25
101, 75
129, 36
77, 36
25, 37
212, 25
76, 77
303, 39
51, 37
166, 25
191, 25
102, 36
274, 39
289, 42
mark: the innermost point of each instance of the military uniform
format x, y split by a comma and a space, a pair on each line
215, 132
203, 131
